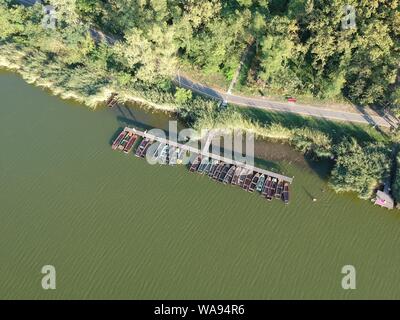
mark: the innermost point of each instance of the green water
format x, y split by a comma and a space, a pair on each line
115, 227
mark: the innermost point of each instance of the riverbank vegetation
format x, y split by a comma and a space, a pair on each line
296, 47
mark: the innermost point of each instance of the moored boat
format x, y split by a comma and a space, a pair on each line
218, 170
208, 167
195, 164
285, 194
141, 147
236, 175
267, 187
279, 190
130, 143
173, 156
254, 182
224, 172
146, 147
229, 176
118, 140
203, 165
163, 158
181, 154
248, 180
242, 177
260, 183
125, 140
272, 189
214, 167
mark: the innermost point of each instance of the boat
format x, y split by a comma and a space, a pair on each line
195, 164
260, 183
235, 179
203, 165
254, 182
218, 170
285, 194
146, 147
242, 177
208, 167
130, 143
229, 176
279, 190
224, 172
272, 190
112, 100
248, 180
173, 156
181, 154
164, 154
213, 168
153, 155
267, 187
118, 140
124, 141
141, 147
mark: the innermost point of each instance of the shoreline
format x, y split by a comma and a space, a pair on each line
92, 102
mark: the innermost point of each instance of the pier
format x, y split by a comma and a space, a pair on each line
205, 153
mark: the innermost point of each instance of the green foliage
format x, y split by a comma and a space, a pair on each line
182, 96
359, 168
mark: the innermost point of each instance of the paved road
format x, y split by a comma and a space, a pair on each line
300, 109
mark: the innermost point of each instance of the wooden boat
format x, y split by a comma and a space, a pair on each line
236, 175
181, 154
254, 182
203, 165
267, 187
164, 154
130, 143
260, 183
208, 167
112, 100
213, 168
242, 177
156, 153
224, 172
272, 190
124, 141
248, 180
118, 140
279, 190
285, 194
173, 156
146, 147
218, 170
195, 164
229, 176
141, 146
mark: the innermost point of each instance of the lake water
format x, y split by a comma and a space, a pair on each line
115, 227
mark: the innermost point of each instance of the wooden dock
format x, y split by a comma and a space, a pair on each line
206, 153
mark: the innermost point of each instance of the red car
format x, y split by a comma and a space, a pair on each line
292, 100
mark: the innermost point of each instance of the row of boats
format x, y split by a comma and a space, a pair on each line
249, 180
162, 153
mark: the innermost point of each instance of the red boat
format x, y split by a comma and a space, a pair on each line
195, 164
285, 194
248, 180
129, 145
118, 140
